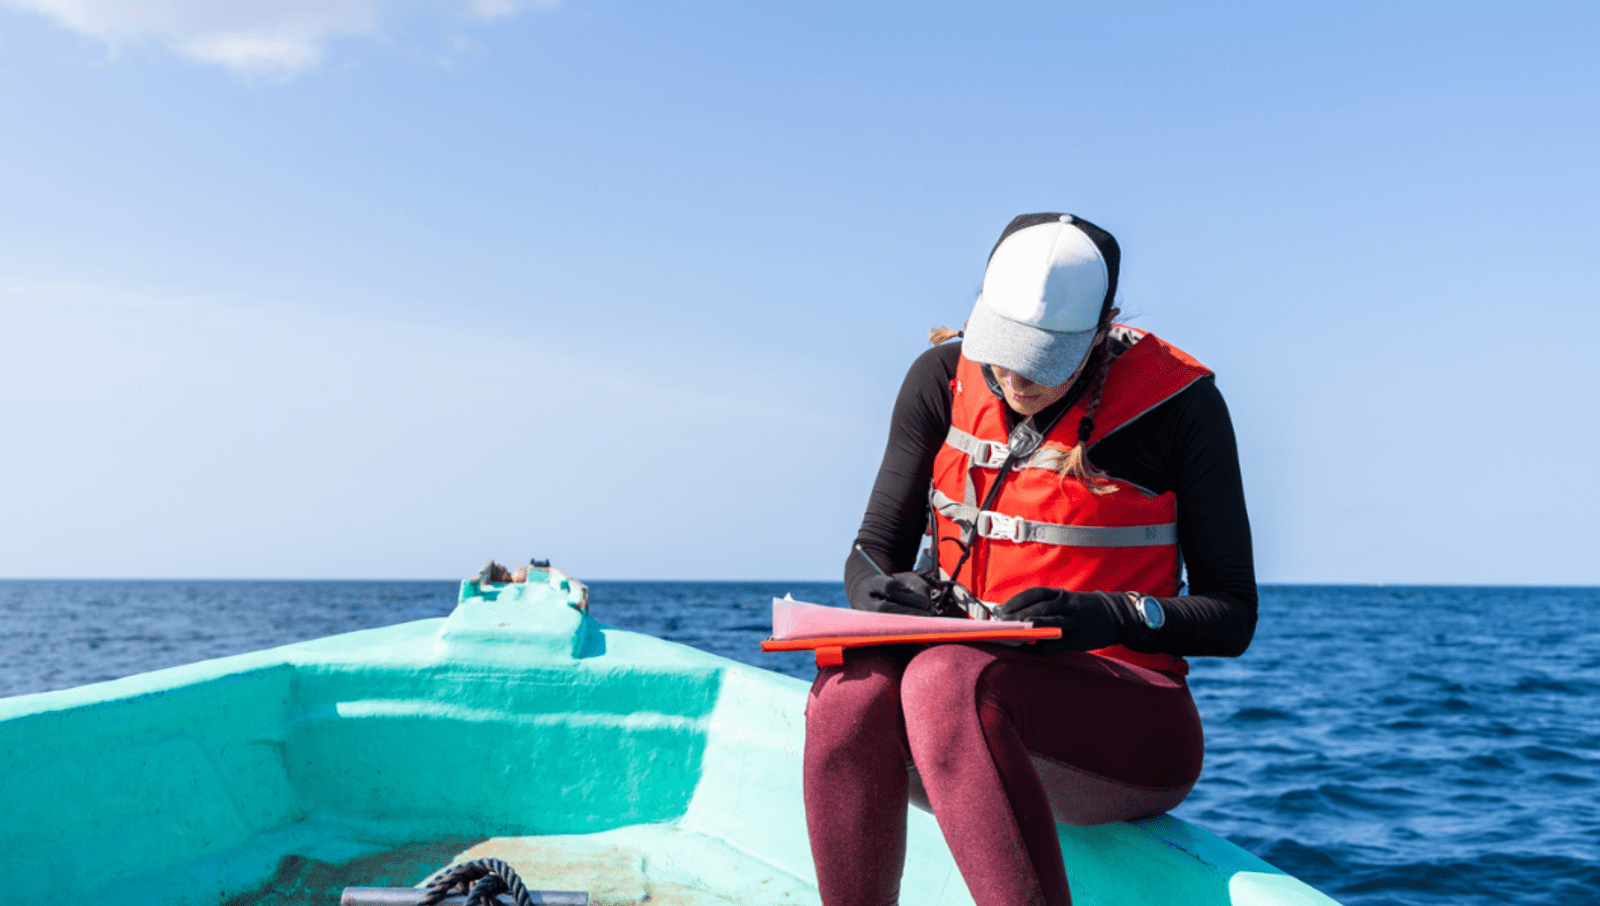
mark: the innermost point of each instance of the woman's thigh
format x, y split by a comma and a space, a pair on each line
1106, 740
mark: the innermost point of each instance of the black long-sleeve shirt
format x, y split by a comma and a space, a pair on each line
1185, 445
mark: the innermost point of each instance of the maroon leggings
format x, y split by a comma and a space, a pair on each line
1005, 741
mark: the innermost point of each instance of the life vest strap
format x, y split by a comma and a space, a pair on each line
999, 526
990, 455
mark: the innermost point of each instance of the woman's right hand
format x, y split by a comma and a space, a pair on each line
907, 593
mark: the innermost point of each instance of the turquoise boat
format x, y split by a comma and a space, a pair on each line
519, 727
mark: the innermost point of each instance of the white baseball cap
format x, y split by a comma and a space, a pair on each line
1050, 279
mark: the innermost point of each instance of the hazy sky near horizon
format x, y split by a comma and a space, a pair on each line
364, 289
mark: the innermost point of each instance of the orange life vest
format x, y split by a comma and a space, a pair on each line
1046, 529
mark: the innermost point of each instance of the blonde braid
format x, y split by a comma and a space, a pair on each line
1075, 463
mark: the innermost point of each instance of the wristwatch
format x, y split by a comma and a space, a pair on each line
1149, 610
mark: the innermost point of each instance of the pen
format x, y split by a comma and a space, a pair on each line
875, 567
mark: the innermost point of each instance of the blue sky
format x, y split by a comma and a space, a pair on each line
365, 289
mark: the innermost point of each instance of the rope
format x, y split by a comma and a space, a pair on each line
480, 880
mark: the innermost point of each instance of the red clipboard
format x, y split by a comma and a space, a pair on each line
830, 650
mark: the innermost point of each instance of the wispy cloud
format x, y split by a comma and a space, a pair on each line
268, 37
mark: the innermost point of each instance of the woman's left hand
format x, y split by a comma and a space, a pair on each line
1088, 619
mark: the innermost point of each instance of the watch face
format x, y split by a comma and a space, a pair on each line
1150, 611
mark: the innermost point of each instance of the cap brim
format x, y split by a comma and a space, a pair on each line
1043, 356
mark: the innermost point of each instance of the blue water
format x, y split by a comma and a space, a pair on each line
1406, 746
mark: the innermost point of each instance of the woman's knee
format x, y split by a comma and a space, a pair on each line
860, 696
939, 695
944, 676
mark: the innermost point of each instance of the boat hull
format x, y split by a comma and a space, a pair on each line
520, 727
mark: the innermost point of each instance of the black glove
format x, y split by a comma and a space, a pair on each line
1088, 619
909, 593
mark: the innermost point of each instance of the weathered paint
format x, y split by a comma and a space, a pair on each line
518, 718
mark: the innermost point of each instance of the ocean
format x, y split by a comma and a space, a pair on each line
1392, 746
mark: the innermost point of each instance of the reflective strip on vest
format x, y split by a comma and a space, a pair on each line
998, 526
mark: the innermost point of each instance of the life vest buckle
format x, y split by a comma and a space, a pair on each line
1001, 527
990, 455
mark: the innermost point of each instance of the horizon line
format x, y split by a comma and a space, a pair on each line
1313, 584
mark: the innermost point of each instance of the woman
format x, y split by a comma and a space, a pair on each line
1065, 461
